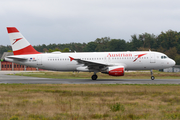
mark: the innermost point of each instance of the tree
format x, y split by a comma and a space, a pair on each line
9, 51
50, 50
45, 50
143, 49
117, 45
136, 43
90, 47
169, 39
102, 44
177, 59
56, 49
172, 52
65, 50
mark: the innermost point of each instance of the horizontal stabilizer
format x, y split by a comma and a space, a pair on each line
16, 58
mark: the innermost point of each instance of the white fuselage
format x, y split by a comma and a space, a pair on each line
61, 61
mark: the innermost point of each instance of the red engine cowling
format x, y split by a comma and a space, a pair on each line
116, 71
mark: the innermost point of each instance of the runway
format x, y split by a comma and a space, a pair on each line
9, 79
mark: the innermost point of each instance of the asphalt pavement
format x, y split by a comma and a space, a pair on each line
4, 78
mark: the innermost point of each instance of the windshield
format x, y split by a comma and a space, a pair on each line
164, 57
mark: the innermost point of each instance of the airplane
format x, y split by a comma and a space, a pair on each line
112, 63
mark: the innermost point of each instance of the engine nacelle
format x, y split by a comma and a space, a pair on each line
115, 71
84, 69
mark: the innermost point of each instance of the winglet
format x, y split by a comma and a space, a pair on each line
71, 59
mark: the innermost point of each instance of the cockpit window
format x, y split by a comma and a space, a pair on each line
163, 57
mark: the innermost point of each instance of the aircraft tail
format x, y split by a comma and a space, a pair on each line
20, 45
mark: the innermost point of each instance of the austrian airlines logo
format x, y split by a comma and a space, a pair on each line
138, 56
15, 40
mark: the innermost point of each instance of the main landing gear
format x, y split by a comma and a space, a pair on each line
94, 77
152, 77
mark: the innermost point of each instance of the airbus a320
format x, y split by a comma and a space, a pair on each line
111, 63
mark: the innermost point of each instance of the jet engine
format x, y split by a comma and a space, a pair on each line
115, 71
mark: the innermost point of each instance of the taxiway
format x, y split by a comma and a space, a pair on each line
34, 80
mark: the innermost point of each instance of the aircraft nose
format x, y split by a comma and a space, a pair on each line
173, 62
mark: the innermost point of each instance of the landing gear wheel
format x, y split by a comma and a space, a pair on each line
94, 77
152, 77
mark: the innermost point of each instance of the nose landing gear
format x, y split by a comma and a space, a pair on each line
152, 77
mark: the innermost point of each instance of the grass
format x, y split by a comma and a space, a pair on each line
86, 75
89, 101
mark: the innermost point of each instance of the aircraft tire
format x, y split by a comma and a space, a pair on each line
94, 77
152, 77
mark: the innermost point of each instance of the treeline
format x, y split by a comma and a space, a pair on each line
167, 42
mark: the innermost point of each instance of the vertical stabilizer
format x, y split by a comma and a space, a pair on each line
20, 45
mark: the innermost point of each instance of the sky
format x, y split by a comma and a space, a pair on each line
67, 21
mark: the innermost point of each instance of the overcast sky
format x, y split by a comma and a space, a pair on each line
66, 21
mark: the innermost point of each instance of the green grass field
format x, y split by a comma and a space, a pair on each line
87, 102
87, 75
90, 101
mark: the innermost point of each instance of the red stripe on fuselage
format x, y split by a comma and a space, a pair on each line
27, 50
12, 29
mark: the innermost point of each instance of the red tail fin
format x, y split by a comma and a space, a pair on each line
19, 43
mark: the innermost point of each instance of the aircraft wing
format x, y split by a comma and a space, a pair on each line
17, 58
91, 64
